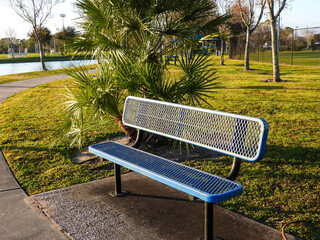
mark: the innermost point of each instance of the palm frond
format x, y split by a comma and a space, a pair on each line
128, 39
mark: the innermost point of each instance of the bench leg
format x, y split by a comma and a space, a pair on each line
192, 198
208, 221
117, 182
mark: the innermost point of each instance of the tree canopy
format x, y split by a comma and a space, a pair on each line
44, 35
133, 44
66, 34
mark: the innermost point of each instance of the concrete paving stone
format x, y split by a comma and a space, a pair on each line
18, 221
152, 210
7, 180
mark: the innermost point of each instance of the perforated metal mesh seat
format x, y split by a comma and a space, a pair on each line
236, 135
202, 185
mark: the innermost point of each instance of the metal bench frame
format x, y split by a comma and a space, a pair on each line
239, 136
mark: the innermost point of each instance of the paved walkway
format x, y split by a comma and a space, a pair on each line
17, 220
9, 89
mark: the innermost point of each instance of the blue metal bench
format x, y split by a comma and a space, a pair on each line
239, 136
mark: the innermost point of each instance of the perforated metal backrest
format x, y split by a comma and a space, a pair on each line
236, 135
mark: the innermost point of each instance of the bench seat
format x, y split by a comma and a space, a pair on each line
202, 185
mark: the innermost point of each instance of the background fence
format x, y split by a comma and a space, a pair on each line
297, 46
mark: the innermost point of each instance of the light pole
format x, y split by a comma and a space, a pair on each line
63, 16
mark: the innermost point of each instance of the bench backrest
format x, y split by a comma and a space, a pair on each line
236, 135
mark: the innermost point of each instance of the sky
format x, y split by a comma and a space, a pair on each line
300, 13
9, 19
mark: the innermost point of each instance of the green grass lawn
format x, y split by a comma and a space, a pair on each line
282, 187
305, 58
26, 141
35, 57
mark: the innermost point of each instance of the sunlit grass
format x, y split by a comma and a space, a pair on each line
305, 58
282, 187
27, 129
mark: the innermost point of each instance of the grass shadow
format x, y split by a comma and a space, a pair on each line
297, 155
263, 87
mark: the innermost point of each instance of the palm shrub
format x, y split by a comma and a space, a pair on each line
128, 38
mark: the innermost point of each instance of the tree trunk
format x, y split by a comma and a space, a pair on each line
275, 58
131, 132
42, 56
11, 50
222, 52
246, 51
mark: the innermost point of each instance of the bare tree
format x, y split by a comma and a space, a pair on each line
248, 13
35, 12
273, 16
308, 35
287, 36
224, 8
11, 38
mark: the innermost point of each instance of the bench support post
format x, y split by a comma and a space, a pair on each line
138, 139
208, 221
117, 182
235, 169
117, 179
